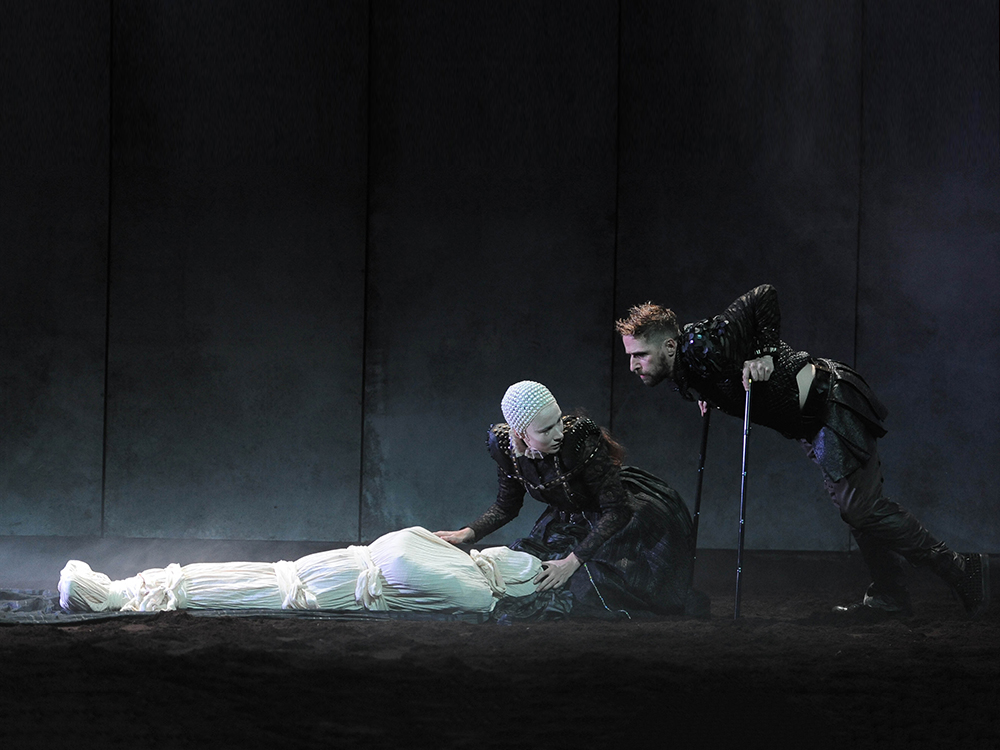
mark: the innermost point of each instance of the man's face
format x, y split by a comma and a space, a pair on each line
652, 359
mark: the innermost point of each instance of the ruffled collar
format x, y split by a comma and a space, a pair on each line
526, 453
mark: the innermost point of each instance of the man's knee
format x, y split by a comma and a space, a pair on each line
857, 500
859, 494
854, 507
855, 514
860, 512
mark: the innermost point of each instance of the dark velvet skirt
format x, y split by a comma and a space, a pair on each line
643, 569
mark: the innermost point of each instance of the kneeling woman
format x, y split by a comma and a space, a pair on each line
617, 539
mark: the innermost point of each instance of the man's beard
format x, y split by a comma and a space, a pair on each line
664, 371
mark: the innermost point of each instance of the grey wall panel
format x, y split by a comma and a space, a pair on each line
491, 240
929, 336
53, 243
237, 262
736, 142
740, 165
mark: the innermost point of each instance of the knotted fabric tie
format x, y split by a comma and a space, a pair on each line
488, 567
368, 592
161, 591
294, 594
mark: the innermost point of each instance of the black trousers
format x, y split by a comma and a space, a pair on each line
887, 534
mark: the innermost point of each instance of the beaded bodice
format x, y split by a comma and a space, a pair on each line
580, 479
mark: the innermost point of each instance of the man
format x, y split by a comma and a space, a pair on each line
825, 405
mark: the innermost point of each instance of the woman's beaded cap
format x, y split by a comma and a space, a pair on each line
523, 401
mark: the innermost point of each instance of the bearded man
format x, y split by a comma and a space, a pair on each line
828, 408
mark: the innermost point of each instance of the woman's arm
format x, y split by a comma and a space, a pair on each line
510, 498
603, 478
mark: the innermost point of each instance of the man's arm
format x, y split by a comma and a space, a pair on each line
757, 318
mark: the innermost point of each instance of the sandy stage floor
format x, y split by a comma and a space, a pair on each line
784, 675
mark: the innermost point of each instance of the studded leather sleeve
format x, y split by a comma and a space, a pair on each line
749, 328
712, 353
759, 313
510, 499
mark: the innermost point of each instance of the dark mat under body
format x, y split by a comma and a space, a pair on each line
35, 607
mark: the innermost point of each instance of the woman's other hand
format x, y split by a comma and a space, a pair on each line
555, 573
457, 537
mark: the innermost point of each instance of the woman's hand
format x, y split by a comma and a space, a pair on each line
758, 370
555, 573
457, 537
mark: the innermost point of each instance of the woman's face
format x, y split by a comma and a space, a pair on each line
545, 432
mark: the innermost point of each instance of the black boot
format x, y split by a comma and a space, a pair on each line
892, 527
877, 604
969, 577
887, 596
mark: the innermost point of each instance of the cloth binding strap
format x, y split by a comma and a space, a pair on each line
161, 591
294, 595
368, 592
491, 572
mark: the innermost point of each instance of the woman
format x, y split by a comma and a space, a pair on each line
616, 538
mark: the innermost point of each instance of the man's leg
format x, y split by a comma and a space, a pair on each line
888, 589
862, 492
887, 533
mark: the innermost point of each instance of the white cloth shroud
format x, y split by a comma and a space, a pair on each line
406, 570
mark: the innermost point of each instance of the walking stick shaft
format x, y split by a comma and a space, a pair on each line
743, 504
697, 493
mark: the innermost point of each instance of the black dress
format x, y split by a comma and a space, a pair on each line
630, 529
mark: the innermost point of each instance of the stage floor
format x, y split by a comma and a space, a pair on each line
784, 675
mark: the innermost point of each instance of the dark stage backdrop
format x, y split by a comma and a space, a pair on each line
491, 238
54, 147
929, 303
268, 268
740, 159
237, 269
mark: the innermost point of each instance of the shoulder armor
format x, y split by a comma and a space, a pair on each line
579, 445
498, 445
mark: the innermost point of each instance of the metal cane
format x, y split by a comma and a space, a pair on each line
743, 503
697, 493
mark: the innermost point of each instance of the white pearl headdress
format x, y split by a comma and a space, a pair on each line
523, 401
